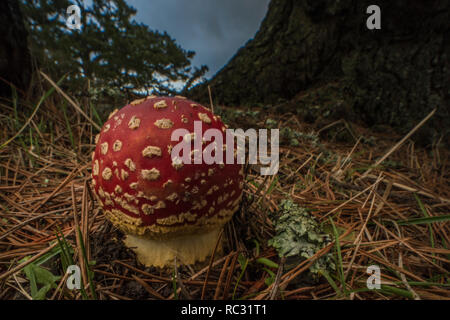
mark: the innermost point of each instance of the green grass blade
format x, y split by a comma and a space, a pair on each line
425, 284
272, 186
396, 291
339, 256
69, 129
67, 251
46, 257
331, 281
427, 220
271, 279
430, 228
244, 267
65, 260
267, 262
87, 265
16, 114
387, 290
256, 247
174, 284
96, 115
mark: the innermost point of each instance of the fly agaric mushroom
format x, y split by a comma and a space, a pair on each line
167, 208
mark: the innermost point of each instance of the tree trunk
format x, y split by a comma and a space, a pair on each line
320, 55
15, 62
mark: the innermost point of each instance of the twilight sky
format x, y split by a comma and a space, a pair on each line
214, 29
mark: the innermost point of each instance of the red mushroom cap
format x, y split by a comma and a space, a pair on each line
145, 193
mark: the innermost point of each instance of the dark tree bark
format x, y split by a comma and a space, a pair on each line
15, 61
320, 55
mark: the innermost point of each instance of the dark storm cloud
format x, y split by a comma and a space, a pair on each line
214, 29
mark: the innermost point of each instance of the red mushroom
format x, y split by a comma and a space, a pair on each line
167, 209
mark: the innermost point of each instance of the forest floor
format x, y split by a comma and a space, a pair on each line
382, 204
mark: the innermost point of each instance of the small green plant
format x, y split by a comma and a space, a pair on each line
41, 279
263, 262
243, 262
39, 276
299, 237
268, 264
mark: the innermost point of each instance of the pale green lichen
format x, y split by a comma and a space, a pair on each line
299, 237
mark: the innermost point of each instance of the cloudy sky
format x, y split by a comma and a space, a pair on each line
214, 29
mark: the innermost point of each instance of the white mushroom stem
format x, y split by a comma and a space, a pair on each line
187, 249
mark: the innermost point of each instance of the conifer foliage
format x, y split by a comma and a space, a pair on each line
110, 49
